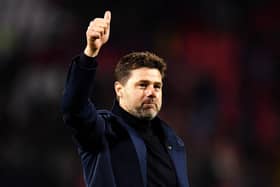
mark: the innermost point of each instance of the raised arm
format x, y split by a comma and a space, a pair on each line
78, 112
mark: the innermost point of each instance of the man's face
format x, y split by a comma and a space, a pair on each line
141, 95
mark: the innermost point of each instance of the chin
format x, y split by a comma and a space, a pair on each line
149, 116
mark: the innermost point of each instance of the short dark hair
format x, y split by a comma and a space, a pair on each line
135, 60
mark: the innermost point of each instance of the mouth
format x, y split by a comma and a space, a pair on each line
149, 105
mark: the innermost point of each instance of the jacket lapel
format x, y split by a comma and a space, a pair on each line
140, 149
177, 154
175, 147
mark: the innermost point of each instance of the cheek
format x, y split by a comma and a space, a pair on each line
137, 96
159, 96
132, 96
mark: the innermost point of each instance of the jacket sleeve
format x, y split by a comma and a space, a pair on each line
79, 113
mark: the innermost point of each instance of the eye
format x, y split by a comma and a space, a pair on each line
157, 86
142, 85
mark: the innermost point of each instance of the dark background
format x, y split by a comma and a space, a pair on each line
221, 94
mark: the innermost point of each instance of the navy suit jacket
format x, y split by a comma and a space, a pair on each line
112, 153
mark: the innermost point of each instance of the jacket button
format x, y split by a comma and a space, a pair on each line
169, 147
180, 142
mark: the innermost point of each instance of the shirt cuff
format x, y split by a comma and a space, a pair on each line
87, 62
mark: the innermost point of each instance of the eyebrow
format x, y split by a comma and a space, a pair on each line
148, 82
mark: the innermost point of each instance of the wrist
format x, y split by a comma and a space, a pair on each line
91, 53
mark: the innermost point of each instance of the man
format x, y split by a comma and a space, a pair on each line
128, 146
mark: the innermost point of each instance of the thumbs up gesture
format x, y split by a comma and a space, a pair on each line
97, 34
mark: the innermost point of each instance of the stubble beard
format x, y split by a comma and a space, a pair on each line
146, 113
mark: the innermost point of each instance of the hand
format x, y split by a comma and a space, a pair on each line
97, 34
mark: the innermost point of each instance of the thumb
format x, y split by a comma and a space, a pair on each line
107, 16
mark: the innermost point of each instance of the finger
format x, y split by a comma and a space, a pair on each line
93, 34
97, 29
107, 16
101, 24
98, 21
97, 25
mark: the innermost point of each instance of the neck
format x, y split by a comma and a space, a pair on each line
129, 118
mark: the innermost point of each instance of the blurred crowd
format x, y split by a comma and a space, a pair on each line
221, 92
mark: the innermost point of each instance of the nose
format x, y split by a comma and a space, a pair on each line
150, 92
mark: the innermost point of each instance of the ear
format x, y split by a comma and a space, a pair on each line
118, 89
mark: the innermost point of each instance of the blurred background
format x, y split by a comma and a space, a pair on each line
221, 93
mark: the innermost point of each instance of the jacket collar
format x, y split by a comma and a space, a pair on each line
169, 134
174, 145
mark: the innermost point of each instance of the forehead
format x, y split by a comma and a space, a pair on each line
149, 74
